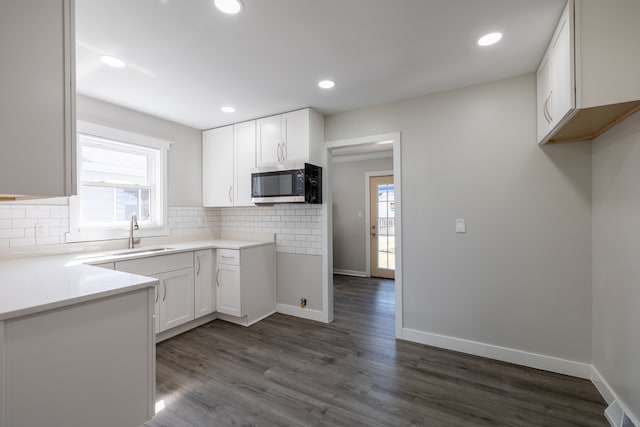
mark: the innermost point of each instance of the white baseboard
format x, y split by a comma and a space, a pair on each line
305, 313
165, 335
603, 387
519, 357
609, 395
350, 272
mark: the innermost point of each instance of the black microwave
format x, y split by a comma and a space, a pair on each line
293, 183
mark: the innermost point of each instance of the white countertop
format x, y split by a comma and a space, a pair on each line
32, 285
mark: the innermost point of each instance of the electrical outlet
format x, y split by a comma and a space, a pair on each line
42, 230
303, 302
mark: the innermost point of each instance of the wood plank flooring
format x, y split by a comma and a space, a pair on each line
286, 371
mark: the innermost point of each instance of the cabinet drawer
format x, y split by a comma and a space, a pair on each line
156, 264
228, 256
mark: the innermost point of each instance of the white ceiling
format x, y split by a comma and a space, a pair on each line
186, 59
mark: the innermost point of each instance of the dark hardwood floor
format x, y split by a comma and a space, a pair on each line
285, 371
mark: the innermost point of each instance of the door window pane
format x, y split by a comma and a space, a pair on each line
386, 226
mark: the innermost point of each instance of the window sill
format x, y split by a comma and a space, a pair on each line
97, 235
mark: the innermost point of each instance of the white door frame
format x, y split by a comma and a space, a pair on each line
367, 203
327, 222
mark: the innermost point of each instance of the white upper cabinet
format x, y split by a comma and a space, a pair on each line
228, 155
244, 160
217, 167
588, 77
555, 77
37, 117
269, 140
289, 137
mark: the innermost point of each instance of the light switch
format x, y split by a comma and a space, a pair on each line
460, 226
359, 214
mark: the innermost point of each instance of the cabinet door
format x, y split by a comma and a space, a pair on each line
562, 68
37, 144
204, 292
269, 140
176, 302
228, 294
244, 160
295, 130
544, 101
156, 313
217, 167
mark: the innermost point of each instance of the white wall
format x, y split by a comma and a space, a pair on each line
349, 230
520, 277
616, 260
185, 156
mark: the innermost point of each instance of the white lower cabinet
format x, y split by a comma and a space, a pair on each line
204, 292
176, 305
228, 292
245, 284
175, 292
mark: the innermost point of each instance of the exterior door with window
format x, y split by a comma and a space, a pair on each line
382, 226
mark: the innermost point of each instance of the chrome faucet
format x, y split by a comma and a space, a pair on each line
133, 225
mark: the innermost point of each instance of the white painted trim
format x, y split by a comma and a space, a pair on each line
354, 273
397, 182
271, 313
2, 376
367, 217
603, 387
360, 157
519, 357
395, 136
165, 335
304, 313
609, 395
101, 131
327, 274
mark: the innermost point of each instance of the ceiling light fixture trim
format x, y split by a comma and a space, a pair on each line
228, 109
326, 84
230, 7
489, 39
112, 61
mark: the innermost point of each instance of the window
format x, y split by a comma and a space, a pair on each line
118, 174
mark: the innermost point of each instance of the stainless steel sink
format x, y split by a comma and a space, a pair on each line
140, 251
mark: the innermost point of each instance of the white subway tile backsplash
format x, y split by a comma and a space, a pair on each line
295, 226
298, 228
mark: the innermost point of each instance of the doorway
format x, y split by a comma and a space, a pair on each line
382, 226
357, 147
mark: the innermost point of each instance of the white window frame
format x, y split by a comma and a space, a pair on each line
80, 233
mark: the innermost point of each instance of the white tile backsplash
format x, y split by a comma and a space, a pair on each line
298, 228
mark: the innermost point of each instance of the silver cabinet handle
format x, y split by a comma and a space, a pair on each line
217, 273
230, 188
157, 293
198, 269
278, 153
284, 151
547, 113
227, 257
164, 297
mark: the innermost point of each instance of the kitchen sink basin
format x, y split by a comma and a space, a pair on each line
140, 251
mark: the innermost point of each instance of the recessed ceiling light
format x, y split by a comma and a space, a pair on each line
229, 6
112, 61
326, 84
489, 39
228, 109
